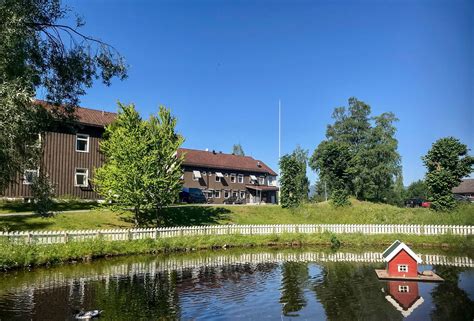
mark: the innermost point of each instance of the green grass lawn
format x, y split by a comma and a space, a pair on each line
321, 213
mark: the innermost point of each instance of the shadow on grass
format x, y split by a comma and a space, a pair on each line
182, 216
20, 206
23, 223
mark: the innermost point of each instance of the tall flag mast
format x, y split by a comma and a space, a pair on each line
279, 137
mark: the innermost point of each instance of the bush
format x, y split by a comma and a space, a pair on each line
43, 193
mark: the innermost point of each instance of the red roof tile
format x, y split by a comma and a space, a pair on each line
466, 186
87, 116
203, 158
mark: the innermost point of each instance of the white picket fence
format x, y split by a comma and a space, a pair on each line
51, 237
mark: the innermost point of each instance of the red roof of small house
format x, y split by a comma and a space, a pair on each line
395, 248
87, 116
201, 158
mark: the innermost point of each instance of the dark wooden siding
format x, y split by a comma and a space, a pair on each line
60, 161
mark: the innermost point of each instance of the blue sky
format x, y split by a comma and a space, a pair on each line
221, 66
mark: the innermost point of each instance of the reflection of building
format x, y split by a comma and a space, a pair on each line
404, 296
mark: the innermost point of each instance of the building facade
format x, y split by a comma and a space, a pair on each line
70, 157
225, 176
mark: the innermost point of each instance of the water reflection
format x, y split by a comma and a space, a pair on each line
138, 288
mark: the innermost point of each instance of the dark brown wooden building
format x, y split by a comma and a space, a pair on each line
70, 156
221, 176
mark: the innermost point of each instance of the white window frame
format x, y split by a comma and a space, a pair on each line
217, 194
203, 174
218, 179
210, 193
84, 138
235, 194
261, 180
233, 178
403, 268
240, 194
226, 193
404, 288
240, 178
226, 175
194, 177
25, 181
86, 180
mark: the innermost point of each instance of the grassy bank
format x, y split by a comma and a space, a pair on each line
321, 213
18, 256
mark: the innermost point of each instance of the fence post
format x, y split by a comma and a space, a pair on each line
65, 237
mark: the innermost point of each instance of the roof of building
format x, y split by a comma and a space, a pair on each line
466, 186
86, 116
212, 159
395, 248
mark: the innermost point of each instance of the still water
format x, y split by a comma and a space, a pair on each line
256, 284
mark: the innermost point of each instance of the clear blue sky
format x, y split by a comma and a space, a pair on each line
221, 66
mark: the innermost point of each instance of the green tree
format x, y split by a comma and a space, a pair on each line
447, 163
301, 155
238, 150
374, 162
331, 161
142, 169
290, 183
417, 189
38, 50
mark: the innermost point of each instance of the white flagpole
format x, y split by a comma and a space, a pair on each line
279, 137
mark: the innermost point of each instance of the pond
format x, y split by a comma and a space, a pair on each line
250, 284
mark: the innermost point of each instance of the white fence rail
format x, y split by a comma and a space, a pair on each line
51, 237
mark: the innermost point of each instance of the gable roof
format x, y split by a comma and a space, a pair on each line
466, 186
395, 248
201, 158
86, 116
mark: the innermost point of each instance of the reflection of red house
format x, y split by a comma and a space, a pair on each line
404, 296
401, 261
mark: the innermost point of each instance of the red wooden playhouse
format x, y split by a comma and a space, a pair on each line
402, 264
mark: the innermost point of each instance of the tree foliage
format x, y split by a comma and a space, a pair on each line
43, 192
142, 169
38, 51
417, 189
238, 150
290, 184
447, 162
331, 161
301, 155
360, 150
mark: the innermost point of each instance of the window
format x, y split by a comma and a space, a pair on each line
196, 175
209, 174
210, 193
203, 173
81, 177
217, 194
82, 143
240, 178
403, 288
218, 179
242, 194
226, 194
270, 180
235, 194
226, 175
402, 268
261, 180
232, 178
29, 176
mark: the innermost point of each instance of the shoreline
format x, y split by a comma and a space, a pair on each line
25, 256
